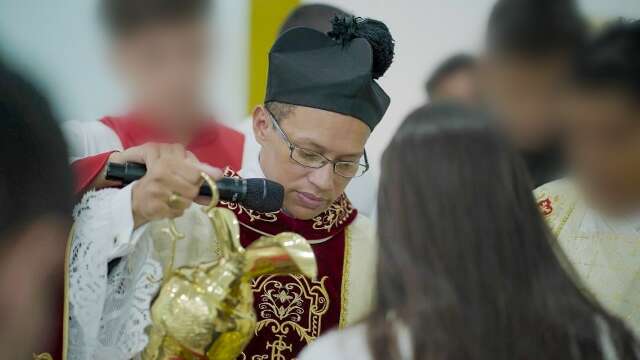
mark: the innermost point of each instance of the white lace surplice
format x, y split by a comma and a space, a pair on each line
109, 310
114, 272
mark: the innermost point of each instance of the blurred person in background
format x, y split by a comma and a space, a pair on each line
596, 212
312, 130
161, 49
315, 16
35, 214
466, 270
362, 190
454, 79
529, 48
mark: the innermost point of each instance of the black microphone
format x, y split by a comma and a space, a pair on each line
261, 195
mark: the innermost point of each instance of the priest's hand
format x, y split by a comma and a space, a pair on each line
134, 154
171, 184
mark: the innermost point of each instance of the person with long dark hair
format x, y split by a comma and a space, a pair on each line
466, 269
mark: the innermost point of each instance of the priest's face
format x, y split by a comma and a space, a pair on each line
308, 191
603, 136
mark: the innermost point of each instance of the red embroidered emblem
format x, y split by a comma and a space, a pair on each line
545, 206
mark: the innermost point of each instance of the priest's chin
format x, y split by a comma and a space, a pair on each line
304, 207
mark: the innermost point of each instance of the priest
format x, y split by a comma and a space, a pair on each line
595, 214
322, 103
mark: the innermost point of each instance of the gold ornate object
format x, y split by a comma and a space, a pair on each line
174, 201
43, 356
206, 311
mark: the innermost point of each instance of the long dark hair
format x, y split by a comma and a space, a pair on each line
465, 261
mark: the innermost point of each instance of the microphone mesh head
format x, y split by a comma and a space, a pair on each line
263, 195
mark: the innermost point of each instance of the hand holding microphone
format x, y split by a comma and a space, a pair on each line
172, 182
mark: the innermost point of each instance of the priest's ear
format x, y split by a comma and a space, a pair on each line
262, 124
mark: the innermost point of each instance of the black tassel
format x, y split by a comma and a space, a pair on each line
347, 28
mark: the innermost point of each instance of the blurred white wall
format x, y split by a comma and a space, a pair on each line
606, 9
59, 42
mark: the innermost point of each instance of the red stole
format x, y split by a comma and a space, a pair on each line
292, 310
214, 144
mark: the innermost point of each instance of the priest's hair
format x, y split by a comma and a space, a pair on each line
280, 110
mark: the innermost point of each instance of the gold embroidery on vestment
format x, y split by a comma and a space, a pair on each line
335, 215
286, 308
344, 291
239, 209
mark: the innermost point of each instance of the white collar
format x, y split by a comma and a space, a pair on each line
252, 168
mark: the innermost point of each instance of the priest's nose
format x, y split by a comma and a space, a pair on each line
322, 178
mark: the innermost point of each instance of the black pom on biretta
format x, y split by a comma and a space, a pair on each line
334, 71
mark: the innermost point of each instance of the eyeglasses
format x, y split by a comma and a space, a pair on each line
315, 160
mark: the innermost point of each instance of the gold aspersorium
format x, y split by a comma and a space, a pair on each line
206, 310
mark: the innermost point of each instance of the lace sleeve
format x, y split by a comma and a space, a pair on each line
112, 279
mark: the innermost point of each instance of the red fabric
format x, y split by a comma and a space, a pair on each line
292, 310
87, 169
214, 144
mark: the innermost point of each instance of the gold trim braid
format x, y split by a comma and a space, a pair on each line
344, 290
563, 221
65, 312
43, 356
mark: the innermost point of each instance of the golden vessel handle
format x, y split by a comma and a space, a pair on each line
215, 195
176, 235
